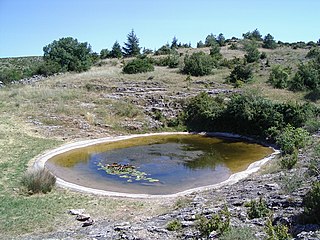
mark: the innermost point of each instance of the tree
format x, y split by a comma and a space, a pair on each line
174, 43
200, 44
131, 48
210, 40
215, 54
104, 53
116, 50
241, 73
254, 35
69, 54
252, 53
269, 42
221, 40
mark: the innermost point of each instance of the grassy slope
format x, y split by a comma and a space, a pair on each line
40, 116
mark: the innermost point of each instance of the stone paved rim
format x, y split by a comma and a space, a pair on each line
39, 163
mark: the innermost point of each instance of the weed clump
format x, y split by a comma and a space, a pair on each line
174, 225
38, 181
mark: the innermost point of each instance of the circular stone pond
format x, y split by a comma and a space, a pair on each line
157, 164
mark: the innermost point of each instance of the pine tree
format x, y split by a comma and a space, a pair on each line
269, 42
174, 43
116, 50
221, 40
131, 48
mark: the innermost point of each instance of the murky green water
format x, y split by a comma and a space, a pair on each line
161, 164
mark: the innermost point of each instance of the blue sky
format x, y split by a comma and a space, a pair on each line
28, 25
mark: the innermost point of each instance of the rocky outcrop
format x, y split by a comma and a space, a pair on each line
285, 206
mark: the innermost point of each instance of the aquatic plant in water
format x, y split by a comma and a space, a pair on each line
127, 171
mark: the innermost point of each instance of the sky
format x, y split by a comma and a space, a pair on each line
26, 26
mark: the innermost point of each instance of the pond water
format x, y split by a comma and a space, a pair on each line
158, 164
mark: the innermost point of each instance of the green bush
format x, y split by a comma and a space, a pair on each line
279, 77
138, 65
164, 50
290, 139
38, 181
307, 77
173, 61
219, 222
241, 72
198, 64
278, 232
70, 54
10, 75
289, 160
252, 53
49, 68
249, 114
269, 42
257, 209
174, 225
311, 203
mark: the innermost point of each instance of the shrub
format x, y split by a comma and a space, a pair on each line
242, 73
38, 181
138, 65
70, 54
173, 61
291, 183
49, 68
252, 53
269, 42
307, 76
104, 53
278, 232
263, 55
218, 222
239, 233
201, 111
254, 35
279, 77
164, 50
290, 139
311, 203
257, 209
10, 75
233, 46
288, 161
198, 64
174, 225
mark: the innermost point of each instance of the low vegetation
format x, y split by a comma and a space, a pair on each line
139, 65
257, 209
219, 222
38, 181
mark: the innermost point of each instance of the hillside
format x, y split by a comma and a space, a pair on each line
39, 114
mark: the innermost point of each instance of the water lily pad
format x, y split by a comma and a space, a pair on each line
126, 171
